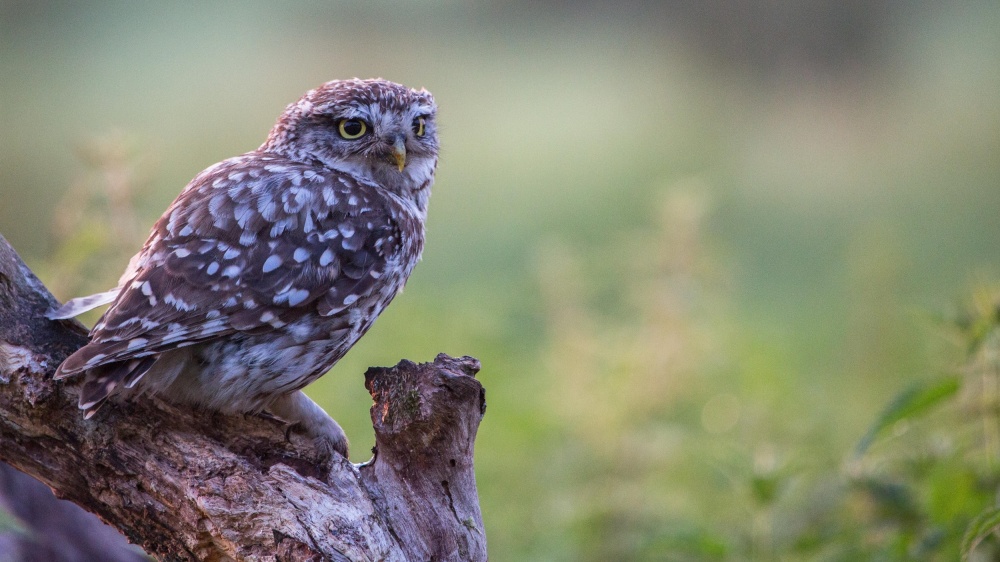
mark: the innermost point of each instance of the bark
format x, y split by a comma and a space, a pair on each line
191, 485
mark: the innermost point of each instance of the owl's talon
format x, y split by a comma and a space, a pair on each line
327, 447
307, 417
289, 429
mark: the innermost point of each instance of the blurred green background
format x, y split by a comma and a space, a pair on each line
698, 246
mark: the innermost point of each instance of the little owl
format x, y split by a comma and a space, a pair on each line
269, 266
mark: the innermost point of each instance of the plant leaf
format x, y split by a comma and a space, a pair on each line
915, 400
979, 528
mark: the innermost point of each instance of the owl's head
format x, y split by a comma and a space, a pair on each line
376, 129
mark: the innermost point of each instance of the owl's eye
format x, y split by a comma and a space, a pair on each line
418, 126
351, 129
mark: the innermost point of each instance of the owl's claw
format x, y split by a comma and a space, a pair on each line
306, 416
289, 429
327, 446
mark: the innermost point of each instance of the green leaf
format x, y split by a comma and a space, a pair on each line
979, 528
895, 500
915, 400
765, 488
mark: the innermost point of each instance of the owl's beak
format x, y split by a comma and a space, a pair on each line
399, 152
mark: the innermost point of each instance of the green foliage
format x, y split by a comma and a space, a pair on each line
912, 402
981, 527
933, 482
681, 442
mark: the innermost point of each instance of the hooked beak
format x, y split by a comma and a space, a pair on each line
399, 152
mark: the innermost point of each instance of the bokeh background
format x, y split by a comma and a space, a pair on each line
727, 264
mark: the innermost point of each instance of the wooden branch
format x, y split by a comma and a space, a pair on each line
189, 485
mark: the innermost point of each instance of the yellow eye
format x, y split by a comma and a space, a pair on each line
351, 129
418, 126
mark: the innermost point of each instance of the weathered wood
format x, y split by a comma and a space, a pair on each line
189, 485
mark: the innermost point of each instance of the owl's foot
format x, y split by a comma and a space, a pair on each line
298, 409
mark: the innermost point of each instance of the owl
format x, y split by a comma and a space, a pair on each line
269, 266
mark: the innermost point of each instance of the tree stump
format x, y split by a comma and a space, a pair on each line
191, 485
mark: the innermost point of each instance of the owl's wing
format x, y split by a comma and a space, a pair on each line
252, 244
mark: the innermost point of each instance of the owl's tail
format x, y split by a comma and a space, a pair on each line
107, 367
102, 381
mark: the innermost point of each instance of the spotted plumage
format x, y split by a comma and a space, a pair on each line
269, 266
